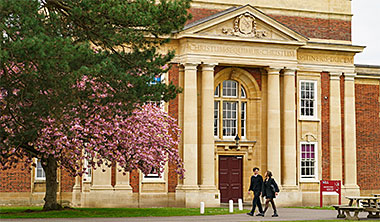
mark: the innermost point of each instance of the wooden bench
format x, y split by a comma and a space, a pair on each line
348, 209
373, 212
340, 213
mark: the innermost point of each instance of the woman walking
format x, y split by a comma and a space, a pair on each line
270, 191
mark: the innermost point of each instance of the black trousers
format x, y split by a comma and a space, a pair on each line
256, 201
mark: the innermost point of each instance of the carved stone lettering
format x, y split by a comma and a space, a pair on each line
327, 59
239, 51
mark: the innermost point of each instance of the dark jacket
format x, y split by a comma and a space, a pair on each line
256, 184
268, 187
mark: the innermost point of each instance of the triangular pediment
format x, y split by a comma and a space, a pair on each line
244, 22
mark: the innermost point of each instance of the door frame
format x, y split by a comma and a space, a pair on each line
242, 155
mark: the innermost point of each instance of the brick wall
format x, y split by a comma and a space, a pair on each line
173, 111
15, 179
134, 180
368, 136
325, 117
310, 27
67, 181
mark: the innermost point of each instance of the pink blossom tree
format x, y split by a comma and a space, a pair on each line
62, 101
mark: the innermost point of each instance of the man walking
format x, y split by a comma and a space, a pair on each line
256, 186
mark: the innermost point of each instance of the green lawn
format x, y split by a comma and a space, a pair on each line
36, 212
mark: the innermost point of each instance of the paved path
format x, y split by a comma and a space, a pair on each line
285, 214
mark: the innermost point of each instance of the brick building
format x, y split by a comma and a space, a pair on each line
280, 75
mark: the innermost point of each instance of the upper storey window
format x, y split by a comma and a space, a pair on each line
230, 110
308, 99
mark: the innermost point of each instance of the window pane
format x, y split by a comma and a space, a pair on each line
230, 88
216, 93
216, 118
308, 156
308, 99
230, 119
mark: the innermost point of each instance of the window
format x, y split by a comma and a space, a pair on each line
309, 158
243, 118
216, 118
230, 88
154, 176
230, 118
88, 173
40, 173
308, 101
230, 110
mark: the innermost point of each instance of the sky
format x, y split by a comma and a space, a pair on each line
366, 30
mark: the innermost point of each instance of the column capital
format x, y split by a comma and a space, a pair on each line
208, 66
273, 70
335, 75
190, 66
290, 71
349, 76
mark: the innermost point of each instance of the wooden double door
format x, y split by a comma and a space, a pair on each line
230, 178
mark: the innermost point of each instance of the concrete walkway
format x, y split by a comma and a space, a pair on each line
286, 214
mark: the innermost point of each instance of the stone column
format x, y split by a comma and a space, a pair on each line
289, 178
274, 124
187, 193
190, 127
76, 198
335, 128
123, 195
122, 181
207, 130
350, 172
101, 191
180, 115
101, 180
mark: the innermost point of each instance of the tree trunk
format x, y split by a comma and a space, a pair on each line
51, 185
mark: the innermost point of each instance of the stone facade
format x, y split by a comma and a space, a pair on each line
274, 57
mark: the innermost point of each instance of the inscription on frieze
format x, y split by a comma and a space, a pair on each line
325, 58
239, 50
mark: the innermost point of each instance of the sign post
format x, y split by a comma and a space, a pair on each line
331, 187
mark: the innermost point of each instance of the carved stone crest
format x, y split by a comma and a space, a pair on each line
245, 26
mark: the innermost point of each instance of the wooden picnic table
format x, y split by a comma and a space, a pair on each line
369, 204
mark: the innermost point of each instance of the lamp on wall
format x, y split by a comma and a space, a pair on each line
237, 139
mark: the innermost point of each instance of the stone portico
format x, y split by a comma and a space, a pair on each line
223, 47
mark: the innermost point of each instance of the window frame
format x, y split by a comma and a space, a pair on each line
316, 97
36, 170
316, 162
87, 177
239, 100
153, 177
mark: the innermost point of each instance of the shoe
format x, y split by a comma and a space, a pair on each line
275, 215
250, 214
260, 215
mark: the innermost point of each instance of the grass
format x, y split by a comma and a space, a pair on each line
316, 208
36, 212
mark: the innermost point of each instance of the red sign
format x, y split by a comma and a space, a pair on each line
331, 186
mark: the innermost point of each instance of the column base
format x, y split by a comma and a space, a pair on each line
76, 196
101, 188
289, 196
123, 188
351, 190
191, 196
